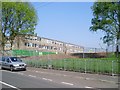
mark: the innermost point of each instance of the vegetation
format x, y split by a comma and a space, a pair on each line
107, 19
18, 18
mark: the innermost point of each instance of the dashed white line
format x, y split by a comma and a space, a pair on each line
44, 78
50, 80
47, 79
88, 87
39, 72
87, 78
20, 73
42, 72
64, 75
9, 85
67, 83
48, 73
32, 76
107, 81
36, 71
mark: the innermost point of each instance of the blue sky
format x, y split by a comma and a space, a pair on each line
67, 22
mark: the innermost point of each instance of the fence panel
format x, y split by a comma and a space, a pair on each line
86, 65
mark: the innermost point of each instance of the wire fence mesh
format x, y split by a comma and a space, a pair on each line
109, 67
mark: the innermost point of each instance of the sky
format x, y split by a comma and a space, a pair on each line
68, 22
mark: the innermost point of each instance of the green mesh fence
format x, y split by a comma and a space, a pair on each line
29, 53
85, 65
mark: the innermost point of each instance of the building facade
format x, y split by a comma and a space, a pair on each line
44, 44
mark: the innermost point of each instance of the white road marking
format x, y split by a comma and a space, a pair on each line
64, 75
80, 77
39, 72
107, 81
67, 83
88, 87
42, 72
10, 71
44, 78
48, 73
20, 73
87, 78
9, 85
36, 71
32, 76
50, 80
47, 79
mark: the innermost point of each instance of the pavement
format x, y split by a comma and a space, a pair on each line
48, 78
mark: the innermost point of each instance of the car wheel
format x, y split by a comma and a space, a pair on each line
11, 68
25, 69
0, 68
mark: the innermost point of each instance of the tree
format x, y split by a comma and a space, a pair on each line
18, 18
107, 19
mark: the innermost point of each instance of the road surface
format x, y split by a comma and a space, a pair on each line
47, 78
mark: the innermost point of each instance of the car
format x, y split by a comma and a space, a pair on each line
12, 63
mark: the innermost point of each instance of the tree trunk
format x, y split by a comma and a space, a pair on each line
11, 45
18, 42
118, 36
3, 49
117, 50
117, 44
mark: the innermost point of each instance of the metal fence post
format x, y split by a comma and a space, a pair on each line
100, 71
79, 65
112, 68
97, 66
64, 64
83, 53
85, 66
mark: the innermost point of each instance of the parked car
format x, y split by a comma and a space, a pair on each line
12, 63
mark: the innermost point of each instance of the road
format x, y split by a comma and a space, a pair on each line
47, 78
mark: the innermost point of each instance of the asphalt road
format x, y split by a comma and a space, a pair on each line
45, 78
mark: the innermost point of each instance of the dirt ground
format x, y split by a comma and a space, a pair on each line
53, 57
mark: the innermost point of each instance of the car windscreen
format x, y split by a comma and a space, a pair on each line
2, 58
15, 59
